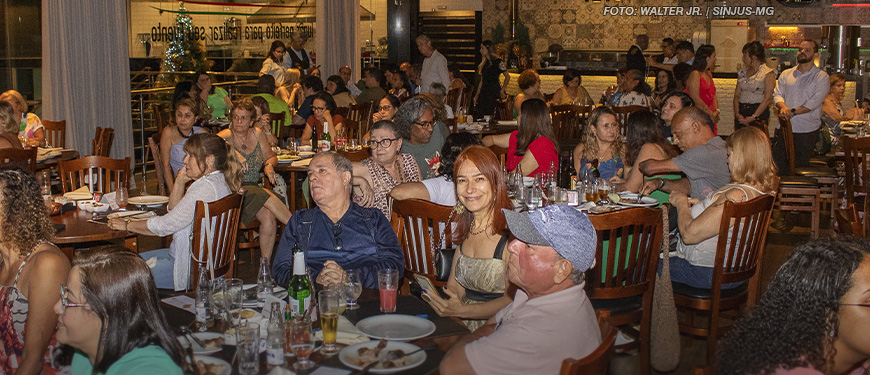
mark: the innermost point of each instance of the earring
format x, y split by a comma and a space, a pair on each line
459, 208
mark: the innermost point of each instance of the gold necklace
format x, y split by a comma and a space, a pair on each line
482, 230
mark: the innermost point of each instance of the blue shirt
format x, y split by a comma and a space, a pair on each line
367, 238
305, 108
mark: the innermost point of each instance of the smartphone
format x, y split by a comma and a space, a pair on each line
426, 284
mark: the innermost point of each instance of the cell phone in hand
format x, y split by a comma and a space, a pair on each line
427, 286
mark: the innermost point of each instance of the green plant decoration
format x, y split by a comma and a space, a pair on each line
498, 33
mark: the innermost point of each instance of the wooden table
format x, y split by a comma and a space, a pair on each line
79, 231
447, 332
492, 129
65, 155
289, 172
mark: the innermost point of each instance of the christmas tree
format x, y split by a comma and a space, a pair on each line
184, 53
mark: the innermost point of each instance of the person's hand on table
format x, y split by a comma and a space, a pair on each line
650, 186
331, 273
118, 223
446, 307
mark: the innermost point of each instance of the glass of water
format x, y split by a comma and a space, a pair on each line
248, 348
353, 289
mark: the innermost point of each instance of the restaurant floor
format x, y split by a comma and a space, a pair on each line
779, 247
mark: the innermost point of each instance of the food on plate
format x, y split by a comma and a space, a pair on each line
613, 197
214, 343
248, 314
372, 353
365, 360
210, 368
287, 157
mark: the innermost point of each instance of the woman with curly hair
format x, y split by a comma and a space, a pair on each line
601, 148
31, 268
814, 318
752, 174
533, 146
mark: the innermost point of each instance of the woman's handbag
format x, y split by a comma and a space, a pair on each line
443, 257
665, 332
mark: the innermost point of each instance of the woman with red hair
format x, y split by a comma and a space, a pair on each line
477, 286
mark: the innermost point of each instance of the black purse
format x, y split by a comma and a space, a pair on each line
443, 257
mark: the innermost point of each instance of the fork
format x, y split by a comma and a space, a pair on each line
186, 332
189, 351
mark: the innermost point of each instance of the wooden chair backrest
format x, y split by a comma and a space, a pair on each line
451, 125
55, 133
466, 97
102, 143
740, 249
351, 128
343, 111
627, 267
848, 221
597, 362
452, 99
506, 108
568, 120
22, 159
99, 173
355, 155
154, 146
788, 142
277, 122
418, 218
224, 214
161, 117
362, 114
622, 115
856, 151
500, 153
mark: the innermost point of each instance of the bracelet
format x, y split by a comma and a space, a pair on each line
662, 184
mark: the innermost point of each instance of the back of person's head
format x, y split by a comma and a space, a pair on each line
376, 74
685, 45
751, 162
202, 145
438, 89
24, 221
313, 83
7, 118
330, 102
18, 102
261, 104
527, 79
797, 321
698, 115
453, 146
266, 84
119, 289
755, 49
182, 90
681, 73
701, 55
642, 127
535, 122
437, 106
340, 87
410, 112
291, 77
569, 76
487, 163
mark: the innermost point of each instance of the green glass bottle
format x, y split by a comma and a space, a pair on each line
299, 289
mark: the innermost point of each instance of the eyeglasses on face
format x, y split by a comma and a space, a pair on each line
64, 301
426, 124
386, 142
318, 109
336, 232
385, 108
241, 118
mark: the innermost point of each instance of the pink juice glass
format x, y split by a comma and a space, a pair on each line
388, 283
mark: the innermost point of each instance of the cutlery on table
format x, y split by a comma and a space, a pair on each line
393, 355
186, 332
189, 351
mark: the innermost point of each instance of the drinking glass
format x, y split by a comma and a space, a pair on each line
603, 189
233, 290
248, 348
293, 147
301, 343
339, 289
218, 299
351, 144
121, 198
328, 305
521, 196
353, 289
388, 284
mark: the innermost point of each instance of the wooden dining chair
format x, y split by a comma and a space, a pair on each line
505, 108
21, 159
102, 143
827, 178
98, 173
161, 117
362, 114
277, 122
856, 151
452, 99
417, 219
623, 279
224, 217
55, 133
154, 147
597, 362
500, 153
803, 192
567, 121
451, 125
740, 248
466, 98
622, 115
351, 128
849, 221
354, 155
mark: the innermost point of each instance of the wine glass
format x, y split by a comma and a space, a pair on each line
301, 343
353, 288
121, 198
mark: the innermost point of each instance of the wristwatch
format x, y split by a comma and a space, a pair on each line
794, 111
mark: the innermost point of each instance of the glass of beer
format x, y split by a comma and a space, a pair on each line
603, 189
329, 309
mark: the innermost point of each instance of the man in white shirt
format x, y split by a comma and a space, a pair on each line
799, 94
551, 318
669, 56
434, 65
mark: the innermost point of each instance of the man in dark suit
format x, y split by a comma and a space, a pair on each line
635, 59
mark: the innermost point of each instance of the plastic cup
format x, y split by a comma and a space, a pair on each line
388, 284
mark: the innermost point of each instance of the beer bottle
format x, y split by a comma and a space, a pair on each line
299, 289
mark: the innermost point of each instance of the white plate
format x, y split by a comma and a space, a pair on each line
514, 123
224, 369
148, 200
396, 327
350, 358
202, 336
631, 199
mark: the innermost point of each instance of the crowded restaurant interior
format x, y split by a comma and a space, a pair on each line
434, 187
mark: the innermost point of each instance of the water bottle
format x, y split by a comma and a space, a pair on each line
275, 337
264, 282
204, 318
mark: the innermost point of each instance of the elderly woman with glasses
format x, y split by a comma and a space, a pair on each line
422, 133
109, 312
375, 177
323, 108
31, 268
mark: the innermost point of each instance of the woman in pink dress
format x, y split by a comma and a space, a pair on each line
700, 83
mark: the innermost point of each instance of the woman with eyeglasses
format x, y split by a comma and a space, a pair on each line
109, 312
601, 148
375, 177
533, 147
31, 268
253, 146
814, 318
386, 109
323, 109
477, 286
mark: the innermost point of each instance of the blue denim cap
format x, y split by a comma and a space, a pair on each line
565, 229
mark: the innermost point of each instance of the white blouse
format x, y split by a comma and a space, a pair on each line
752, 88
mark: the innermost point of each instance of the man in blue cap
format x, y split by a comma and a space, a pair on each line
551, 318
